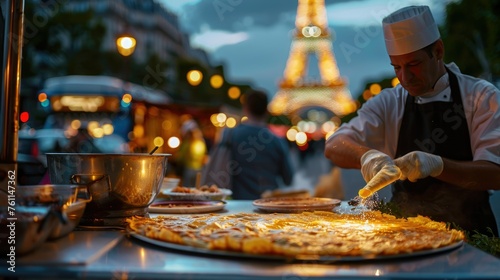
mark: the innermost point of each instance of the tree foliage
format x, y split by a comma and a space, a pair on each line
63, 43
60, 42
470, 33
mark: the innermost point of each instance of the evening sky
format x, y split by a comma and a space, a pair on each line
252, 38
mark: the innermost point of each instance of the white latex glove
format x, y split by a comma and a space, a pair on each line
378, 170
417, 165
372, 162
385, 177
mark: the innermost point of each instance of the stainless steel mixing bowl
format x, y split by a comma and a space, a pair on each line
120, 185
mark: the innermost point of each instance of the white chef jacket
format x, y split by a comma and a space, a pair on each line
379, 119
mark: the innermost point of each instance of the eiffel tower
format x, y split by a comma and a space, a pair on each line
296, 91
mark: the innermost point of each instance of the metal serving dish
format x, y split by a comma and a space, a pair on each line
64, 206
40, 195
121, 185
72, 214
32, 227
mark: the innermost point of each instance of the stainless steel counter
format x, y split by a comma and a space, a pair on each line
114, 255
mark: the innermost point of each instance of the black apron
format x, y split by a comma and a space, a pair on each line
440, 128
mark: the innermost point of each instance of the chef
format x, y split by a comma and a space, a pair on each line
435, 136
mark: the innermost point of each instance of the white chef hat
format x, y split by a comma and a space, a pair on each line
409, 29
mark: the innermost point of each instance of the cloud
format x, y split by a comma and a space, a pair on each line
232, 15
252, 37
177, 6
360, 13
371, 12
211, 40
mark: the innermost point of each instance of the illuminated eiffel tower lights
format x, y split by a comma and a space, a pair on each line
296, 90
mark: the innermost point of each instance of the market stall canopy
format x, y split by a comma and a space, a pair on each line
105, 85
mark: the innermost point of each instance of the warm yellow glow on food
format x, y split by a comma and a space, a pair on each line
318, 233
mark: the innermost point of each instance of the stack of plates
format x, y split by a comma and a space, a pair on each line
187, 206
296, 204
190, 203
221, 195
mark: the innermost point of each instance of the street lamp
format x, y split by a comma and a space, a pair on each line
216, 81
194, 77
125, 44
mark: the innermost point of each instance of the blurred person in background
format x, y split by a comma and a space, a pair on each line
192, 153
435, 135
82, 142
262, 159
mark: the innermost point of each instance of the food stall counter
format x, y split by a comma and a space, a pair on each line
113, 254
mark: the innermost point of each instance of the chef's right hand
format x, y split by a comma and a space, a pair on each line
372, 162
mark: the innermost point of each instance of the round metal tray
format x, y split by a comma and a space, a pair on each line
315, 258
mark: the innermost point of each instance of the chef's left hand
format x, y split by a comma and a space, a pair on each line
417, 165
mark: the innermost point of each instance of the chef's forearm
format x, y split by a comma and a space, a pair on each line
475, 175
344, 152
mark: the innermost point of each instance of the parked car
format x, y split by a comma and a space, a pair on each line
113, 144
32, 147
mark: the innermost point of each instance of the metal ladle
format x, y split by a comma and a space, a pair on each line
154, 150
